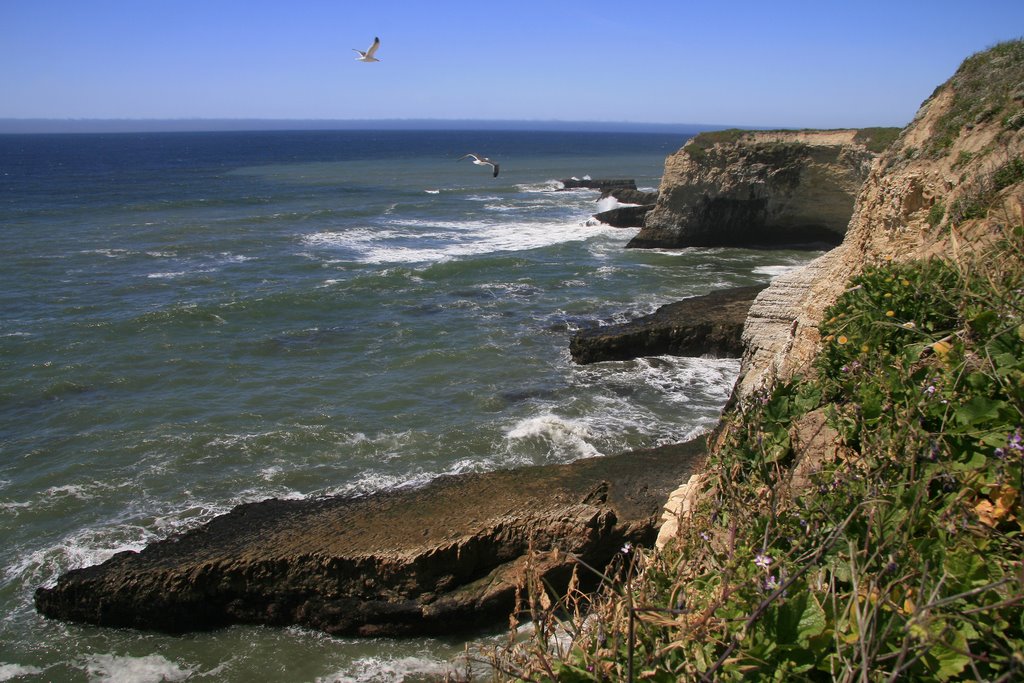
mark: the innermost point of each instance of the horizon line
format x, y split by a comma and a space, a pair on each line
15, 125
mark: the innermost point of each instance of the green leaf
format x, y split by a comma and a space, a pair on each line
979, 409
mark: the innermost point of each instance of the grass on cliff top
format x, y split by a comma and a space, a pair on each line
896, 555
876, 140
988, 86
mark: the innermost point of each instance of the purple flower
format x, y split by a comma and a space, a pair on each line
771, 583
627, 548
763, 561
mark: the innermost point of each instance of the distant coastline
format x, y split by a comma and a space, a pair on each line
17, 126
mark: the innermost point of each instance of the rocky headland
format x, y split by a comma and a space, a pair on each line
761, 188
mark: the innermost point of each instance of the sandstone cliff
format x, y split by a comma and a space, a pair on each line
767, 188
927, 195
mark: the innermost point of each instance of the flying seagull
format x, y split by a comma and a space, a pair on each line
481, 161
368, 55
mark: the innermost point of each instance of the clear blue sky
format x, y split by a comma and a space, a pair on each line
823, 64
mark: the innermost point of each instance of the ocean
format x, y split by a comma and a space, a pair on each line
189, 321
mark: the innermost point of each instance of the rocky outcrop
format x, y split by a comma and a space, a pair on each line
917, 202
629, 196
624, 216
759, 189
446, 557
709, 325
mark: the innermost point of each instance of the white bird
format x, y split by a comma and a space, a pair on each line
367, 56
481, 161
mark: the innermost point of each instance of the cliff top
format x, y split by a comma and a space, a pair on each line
873, 139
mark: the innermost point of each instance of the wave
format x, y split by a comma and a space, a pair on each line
110, 668
426, 241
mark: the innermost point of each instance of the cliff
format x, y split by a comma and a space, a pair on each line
922, 198
859, 516
768, 188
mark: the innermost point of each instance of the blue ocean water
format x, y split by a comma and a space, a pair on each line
189, 321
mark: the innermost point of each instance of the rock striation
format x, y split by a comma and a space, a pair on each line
709, 325
445, 557
760, 189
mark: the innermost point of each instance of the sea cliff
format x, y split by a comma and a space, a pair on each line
860, 511
761, 188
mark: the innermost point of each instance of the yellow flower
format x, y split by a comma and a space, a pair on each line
830, 337
864, 348
842, 339
941, 347
888, 295
905, 282
890, 313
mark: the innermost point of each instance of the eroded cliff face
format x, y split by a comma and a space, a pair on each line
770, 188
922, 198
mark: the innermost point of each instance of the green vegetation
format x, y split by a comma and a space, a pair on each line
980, 197
877, 140
986, 87
893, 551
698, 146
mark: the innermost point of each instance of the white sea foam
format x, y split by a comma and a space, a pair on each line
432, 191
775, 271
443, 240
389, 670
110, 668
11, 671
556, 434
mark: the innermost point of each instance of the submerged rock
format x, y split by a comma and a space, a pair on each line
446, 557
710, 325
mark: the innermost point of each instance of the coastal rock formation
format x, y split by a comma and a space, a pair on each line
709, 325
761, 189
921, 199
442, 558
624, 216
629, 196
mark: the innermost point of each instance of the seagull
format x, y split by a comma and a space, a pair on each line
368, 55
481, 161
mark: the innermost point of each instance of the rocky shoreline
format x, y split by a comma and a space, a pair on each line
447, 557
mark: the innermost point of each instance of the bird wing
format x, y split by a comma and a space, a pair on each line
495, 170
373, 48
475, 157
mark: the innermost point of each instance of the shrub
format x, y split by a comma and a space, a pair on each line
899, 558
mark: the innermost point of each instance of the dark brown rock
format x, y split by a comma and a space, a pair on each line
709, 325
445, 557
624, 216
629, 196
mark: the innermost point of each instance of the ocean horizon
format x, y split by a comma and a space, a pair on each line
194, 320
199, 125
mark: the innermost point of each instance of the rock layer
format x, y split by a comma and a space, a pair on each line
445, 557
709, 325
758, 189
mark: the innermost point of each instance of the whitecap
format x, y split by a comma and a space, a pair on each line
432, 191
388, 669
556, 434
110, 668
776, 271
11, 671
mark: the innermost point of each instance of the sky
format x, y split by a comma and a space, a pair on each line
783, 64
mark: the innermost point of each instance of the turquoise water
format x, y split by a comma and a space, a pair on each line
192, 321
